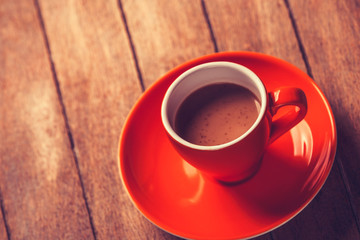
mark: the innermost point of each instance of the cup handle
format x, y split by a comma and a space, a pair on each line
287, 96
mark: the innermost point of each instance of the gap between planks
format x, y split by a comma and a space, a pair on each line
63, 110
133, 51
132, 46
208, 22
348, 192
4, 218
298, 38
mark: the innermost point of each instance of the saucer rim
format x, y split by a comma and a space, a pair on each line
210, 58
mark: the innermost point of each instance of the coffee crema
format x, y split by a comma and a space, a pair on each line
216, 114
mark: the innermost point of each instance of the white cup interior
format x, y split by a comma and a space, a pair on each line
203, 75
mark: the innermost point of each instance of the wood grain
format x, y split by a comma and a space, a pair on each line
41, 192
166, 34
330, 33
267, 28
99, 85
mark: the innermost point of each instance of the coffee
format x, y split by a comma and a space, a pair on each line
216, 114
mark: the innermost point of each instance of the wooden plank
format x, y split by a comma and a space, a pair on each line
260, 26
267, 28
99, 85
41, 192
333, 51
166, 34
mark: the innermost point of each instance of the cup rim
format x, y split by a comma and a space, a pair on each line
263, 103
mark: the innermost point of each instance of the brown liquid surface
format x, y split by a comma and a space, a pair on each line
216, 114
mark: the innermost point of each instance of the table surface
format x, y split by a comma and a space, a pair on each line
70, 71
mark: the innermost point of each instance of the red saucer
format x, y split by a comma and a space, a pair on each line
180, 200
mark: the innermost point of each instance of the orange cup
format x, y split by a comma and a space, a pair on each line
238, 159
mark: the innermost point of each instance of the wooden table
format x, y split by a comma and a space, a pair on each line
70, 71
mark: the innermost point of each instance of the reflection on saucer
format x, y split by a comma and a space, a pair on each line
302, 141
198, 183
189, 170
